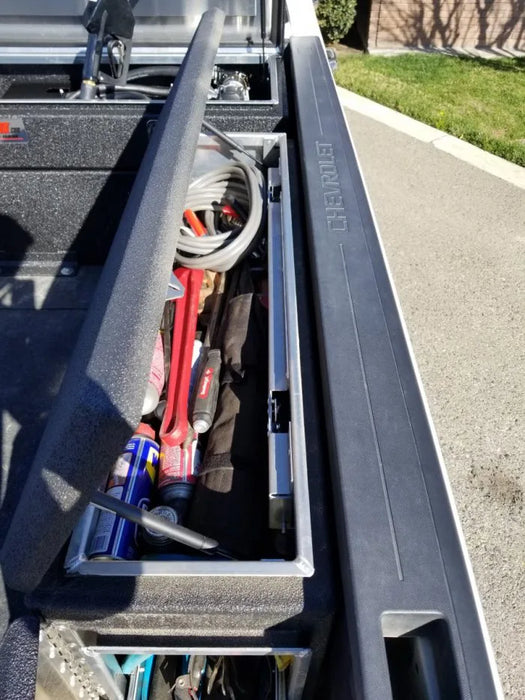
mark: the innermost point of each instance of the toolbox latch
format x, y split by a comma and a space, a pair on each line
279, 411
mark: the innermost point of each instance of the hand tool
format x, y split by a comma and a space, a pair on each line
207, 388
232, 143
142, 517
188, 684
174, 428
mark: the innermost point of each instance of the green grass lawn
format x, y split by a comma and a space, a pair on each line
479, 100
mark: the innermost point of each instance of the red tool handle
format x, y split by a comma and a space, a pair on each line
174, 428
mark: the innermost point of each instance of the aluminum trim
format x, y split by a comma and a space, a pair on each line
49, 55
124, 650
299, 568
277, 351
297, 434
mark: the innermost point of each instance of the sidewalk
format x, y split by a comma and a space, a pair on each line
455, 241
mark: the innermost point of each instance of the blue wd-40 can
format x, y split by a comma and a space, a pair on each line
131, 480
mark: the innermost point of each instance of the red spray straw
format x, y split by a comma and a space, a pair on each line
196, 225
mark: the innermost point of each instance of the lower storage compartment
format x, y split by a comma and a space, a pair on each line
241, 483
71, 666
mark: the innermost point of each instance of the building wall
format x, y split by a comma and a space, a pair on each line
458, 23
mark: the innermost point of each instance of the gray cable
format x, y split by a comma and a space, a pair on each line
152, 72
135, 87
232, 143
221, 251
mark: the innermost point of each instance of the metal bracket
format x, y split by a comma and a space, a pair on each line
175, 288
88, 675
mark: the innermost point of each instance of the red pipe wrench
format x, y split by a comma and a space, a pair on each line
174, 428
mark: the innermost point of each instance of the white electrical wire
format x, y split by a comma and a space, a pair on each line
221, 251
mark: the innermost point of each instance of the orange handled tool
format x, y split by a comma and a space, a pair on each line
198, 228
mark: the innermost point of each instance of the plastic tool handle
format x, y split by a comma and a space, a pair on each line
198, 228
174, 426
207, 392
140, 516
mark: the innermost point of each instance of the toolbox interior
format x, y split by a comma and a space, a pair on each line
120, 672
286, 542
36, 82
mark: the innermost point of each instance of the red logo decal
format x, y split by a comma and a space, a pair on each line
4, 128
206, 383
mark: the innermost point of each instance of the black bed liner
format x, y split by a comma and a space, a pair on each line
402, 562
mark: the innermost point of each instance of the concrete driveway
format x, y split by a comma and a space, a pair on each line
455, 241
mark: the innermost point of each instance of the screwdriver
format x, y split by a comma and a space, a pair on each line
207, 388
207, 393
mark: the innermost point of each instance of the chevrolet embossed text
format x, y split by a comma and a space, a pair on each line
333, 199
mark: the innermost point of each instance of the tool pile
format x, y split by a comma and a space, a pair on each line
198, 461
196, 676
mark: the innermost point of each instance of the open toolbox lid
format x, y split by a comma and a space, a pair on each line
158, 23
155, 204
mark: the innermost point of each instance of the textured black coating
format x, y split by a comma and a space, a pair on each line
65, 190
34, 352
19, 659
246, 117
69, 135
100, 401
399, 546
40, 320
61, 212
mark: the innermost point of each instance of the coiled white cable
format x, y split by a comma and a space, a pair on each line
220, 251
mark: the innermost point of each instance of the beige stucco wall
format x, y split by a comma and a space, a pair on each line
458, 23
